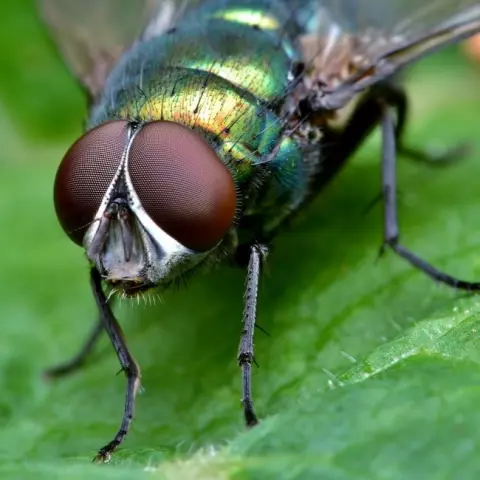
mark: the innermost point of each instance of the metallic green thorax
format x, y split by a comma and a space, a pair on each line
223, 72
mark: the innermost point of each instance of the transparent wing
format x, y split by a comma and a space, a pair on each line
351, 44
91, 34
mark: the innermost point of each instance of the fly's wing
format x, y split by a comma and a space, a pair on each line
350, 45
91, 34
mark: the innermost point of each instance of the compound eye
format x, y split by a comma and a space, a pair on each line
182, 184
84, 175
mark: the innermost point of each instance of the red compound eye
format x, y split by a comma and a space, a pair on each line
182, 184
84, 175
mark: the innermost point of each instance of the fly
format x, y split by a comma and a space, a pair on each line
212, 123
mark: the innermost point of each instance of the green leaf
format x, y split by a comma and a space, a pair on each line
371, 370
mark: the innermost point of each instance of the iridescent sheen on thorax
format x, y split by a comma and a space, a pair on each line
221, 72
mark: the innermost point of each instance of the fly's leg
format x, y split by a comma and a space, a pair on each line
128, 363
80, 358
391, 229
397, 98
245, 350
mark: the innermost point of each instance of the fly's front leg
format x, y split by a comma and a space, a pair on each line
397, 98
128, 363
245, 351
391, 228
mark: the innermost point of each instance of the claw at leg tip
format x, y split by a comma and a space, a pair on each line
102, 457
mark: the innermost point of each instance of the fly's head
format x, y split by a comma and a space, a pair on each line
148, 202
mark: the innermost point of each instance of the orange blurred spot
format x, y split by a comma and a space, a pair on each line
472, 48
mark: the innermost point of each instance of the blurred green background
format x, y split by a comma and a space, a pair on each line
405, 350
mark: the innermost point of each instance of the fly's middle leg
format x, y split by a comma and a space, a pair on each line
245, 349
390, 221
79, 360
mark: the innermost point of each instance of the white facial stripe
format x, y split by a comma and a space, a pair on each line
168, 244
92, 230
